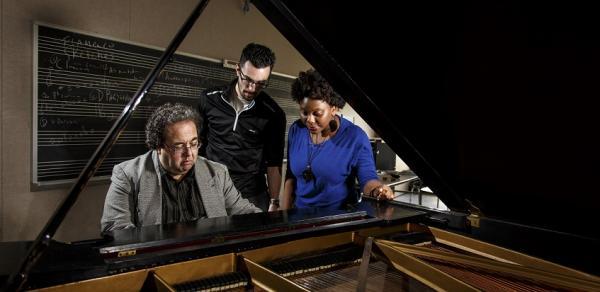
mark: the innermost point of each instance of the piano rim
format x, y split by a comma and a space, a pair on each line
528, 266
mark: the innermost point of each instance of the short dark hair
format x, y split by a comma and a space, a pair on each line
165, 115
312, 85
259, 55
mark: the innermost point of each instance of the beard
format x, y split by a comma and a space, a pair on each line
249, 96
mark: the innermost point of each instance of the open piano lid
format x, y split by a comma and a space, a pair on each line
492, 104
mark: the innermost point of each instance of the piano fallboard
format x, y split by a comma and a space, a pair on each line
151, 246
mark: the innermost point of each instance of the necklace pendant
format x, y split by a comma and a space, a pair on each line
307, 174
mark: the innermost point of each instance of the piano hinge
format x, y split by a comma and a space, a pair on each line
473, 220
475, 214
218, 239
126, 253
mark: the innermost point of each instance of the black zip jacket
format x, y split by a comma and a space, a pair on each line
246, 143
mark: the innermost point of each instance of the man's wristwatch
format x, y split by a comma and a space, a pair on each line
275, 202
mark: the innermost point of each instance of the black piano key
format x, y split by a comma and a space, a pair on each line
192, 286
287, 268
227, 280
212, 283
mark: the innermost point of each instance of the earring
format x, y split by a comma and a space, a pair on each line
333, 125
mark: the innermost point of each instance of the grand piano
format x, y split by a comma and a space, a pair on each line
491, 104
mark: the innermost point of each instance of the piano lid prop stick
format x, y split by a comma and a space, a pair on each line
18, 279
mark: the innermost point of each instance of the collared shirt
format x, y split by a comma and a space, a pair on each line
181, 200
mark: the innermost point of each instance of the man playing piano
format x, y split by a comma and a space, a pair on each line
170, 183
244, 128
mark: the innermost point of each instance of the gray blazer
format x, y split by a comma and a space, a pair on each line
134, 198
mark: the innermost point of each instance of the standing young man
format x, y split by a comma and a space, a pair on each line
244, 128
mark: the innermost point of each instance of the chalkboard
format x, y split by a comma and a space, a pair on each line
82, 82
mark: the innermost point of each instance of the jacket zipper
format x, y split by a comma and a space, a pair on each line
237, 115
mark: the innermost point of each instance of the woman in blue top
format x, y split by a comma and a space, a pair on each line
326, 153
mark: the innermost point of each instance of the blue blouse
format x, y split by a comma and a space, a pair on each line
335, 164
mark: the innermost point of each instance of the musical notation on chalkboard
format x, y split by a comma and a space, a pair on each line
82, 82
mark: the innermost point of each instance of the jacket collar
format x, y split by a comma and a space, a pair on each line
205, 180
227, 94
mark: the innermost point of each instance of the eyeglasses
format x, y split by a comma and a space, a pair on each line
181, 147
248, 81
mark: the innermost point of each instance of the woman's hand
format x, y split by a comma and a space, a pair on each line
274, 205
382, 192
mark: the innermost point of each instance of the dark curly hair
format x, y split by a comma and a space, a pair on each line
168, 114
259, 55
312, 85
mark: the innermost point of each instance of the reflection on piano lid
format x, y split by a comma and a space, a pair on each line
227, 230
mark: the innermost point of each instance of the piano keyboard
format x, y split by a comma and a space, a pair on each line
226, 282
314, 263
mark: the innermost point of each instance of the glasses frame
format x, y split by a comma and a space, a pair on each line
175, 149
248, 80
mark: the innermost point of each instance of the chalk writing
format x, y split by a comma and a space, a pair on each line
83, 84
80, 48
